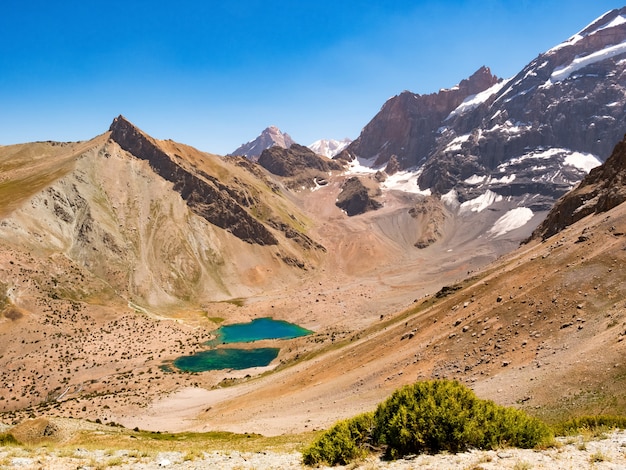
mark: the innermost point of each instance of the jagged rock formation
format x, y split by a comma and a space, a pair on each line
356, 197
529, 139
407, 124
601, 190
270, 137
205, 195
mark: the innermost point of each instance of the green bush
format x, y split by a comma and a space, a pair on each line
344, 442
443, 415
432, 416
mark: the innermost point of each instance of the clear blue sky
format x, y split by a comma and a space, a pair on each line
215, 74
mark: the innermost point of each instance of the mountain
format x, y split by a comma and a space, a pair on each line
542, 329
153, 220
270, 137
329, 147
529, 138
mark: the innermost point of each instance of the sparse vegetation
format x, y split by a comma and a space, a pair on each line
596, 425
7, 439
428, 417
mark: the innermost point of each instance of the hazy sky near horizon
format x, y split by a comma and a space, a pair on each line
215, 74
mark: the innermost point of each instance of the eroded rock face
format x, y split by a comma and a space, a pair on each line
600, 191
205, 196
355, 197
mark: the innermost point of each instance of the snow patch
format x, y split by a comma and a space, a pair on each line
513, 219
481, 203
473, 101
401, 181
405, 181
451, 199
475, 179
564, 72
582, 161
361, 166
617, 21
457, 143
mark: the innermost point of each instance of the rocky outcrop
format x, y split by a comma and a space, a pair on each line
205, 196
295, 160
270, 137
600, 191
432, 216
356, 198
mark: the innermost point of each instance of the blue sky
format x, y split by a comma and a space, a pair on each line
215, 74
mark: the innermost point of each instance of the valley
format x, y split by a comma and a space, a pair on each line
475, 234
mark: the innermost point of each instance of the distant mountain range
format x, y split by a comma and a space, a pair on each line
273, 137
329, 147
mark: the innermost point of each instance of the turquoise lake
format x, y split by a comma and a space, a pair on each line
226, 358
233, 358
256, 330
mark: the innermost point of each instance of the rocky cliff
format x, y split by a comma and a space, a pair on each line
601, 190
407, 124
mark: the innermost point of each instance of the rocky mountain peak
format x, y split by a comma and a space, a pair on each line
407, 124
272, 136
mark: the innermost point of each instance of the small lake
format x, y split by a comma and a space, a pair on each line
226, 358
232, 358
256, 330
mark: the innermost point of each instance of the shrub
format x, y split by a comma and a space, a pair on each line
595, 424
432, 416
442, 415
345, 441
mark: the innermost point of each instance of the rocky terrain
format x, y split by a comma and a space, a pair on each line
600, 191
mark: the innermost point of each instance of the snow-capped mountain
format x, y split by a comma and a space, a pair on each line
527, 139
270, 137
329, 147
